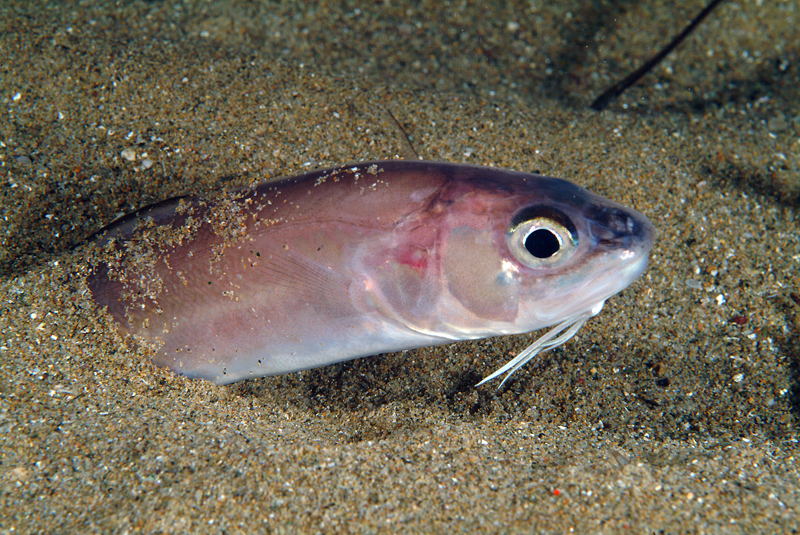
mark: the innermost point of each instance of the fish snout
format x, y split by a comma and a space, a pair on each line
621, 228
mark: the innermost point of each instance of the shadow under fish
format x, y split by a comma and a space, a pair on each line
364, 259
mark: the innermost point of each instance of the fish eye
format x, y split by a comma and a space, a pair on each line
542, 237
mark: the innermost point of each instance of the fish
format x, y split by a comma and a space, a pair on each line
363, 259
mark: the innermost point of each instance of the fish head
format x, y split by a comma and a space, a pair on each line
571, 250
519, 252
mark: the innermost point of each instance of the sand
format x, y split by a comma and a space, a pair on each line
675, 410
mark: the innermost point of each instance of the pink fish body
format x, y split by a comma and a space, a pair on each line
364, 259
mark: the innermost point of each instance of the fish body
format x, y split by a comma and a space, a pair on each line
359, 260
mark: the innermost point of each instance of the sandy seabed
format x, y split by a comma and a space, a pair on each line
674, 411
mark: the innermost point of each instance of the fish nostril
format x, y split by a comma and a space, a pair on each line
613, 225
619, 222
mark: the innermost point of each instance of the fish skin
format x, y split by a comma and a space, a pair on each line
354, 261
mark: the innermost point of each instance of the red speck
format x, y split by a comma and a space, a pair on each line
556, 492
414, 257
739, 320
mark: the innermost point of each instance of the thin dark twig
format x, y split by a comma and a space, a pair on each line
408, 152
605, 99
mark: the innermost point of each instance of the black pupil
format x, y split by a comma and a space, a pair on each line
542, 243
